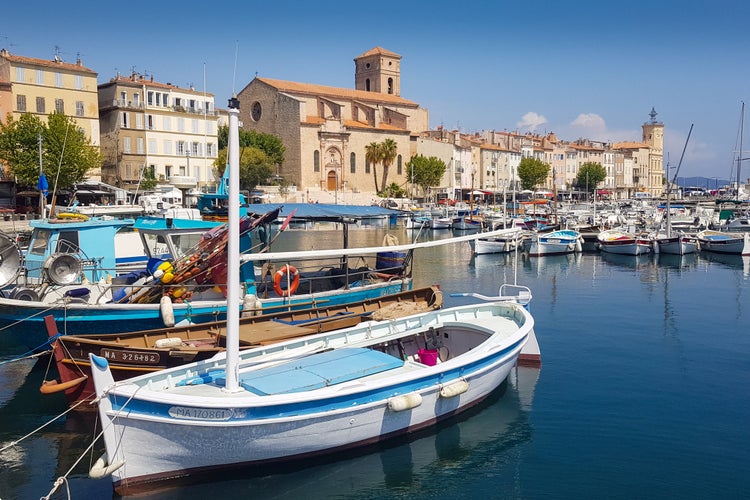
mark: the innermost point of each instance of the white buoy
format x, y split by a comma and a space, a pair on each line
167, 311
405, 402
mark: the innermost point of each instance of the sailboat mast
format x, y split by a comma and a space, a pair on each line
739, 154
233, 249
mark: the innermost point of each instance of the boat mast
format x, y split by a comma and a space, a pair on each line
233, 249
674, 180
739, 154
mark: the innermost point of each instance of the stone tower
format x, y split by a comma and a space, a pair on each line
378, 70
653, 136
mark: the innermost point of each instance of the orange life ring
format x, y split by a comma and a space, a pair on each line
286, 272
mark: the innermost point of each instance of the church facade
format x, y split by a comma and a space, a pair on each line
326, 130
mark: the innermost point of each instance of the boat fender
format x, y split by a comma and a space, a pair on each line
22, 293
168, 342
166, 310
251, 306
286, 272
405, 402
102, 469
53, 386
454, 389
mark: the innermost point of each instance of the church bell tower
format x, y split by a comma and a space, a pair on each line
378, 70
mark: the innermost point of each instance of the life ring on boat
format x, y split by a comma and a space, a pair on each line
72, 216
286, 272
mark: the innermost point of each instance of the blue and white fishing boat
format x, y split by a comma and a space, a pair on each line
555, 243
306, 397
736, 243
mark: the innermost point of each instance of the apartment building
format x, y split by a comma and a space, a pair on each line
41, 87
170, 130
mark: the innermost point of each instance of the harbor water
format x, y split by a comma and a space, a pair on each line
642, 393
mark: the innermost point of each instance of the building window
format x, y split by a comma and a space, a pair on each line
367, 166
139, 142
39, 77
123, 98
124, 120
150, 97
139, 121
180, 124
210, 150
399, 165
195, 126
390, 85
194, 149
180, 148
40, 105
353, 163
58, 80
167, 147
126, 144
19, 75
168, 171
167, 124
367, 84
158, 98
79, 108
136, 99
152, 146
59, 106
21, 102
79, 82
316, 161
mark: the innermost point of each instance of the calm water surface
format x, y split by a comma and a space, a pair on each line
643, 393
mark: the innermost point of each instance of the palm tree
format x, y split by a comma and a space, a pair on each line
373, 156
388, 152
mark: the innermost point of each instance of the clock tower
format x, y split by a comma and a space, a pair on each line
653, 137
378, 70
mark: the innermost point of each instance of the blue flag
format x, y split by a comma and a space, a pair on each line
42, 185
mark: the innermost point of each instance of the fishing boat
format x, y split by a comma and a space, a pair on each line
674, 242
502, 243
724, 242
133, 353
291, 400
622, 242
554, 243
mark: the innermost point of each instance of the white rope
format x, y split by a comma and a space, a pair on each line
13, 443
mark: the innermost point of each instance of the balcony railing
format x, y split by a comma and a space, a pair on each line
119, 103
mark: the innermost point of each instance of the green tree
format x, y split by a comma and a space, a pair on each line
148, 179
425, 172
589, 175
532, 172
393, 191
67, 154
388, 153
268, 143
373, 156
255, 166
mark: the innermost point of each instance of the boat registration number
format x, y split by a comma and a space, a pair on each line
200, 413
133, 357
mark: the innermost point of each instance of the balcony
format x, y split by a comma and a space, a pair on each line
118, 103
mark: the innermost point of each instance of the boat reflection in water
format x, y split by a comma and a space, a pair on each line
494, 430
729, 260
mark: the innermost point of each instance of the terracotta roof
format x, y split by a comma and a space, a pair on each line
58, 64
629, 145
379, 51
335, 92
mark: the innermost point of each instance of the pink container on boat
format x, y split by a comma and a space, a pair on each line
428, 356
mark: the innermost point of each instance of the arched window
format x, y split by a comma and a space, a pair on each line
390, 85
399, 166
316, 161
367, 84
367, 166
353, 163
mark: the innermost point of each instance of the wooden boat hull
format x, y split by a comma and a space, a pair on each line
677, 245
555, 243
160, 433
138, 352
724, 242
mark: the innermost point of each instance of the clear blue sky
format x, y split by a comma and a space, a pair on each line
579, 69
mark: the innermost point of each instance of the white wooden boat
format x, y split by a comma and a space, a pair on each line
556, 242
623, 242
508, 241
724, 242
303, 397
294, 399
676, 243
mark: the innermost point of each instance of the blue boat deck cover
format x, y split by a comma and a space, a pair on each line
319, 370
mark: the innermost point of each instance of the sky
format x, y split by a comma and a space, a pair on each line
581, 69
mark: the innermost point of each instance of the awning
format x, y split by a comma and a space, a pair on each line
603, 191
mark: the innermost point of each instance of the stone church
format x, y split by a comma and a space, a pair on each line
326, 129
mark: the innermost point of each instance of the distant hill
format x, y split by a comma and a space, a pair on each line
704, 182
